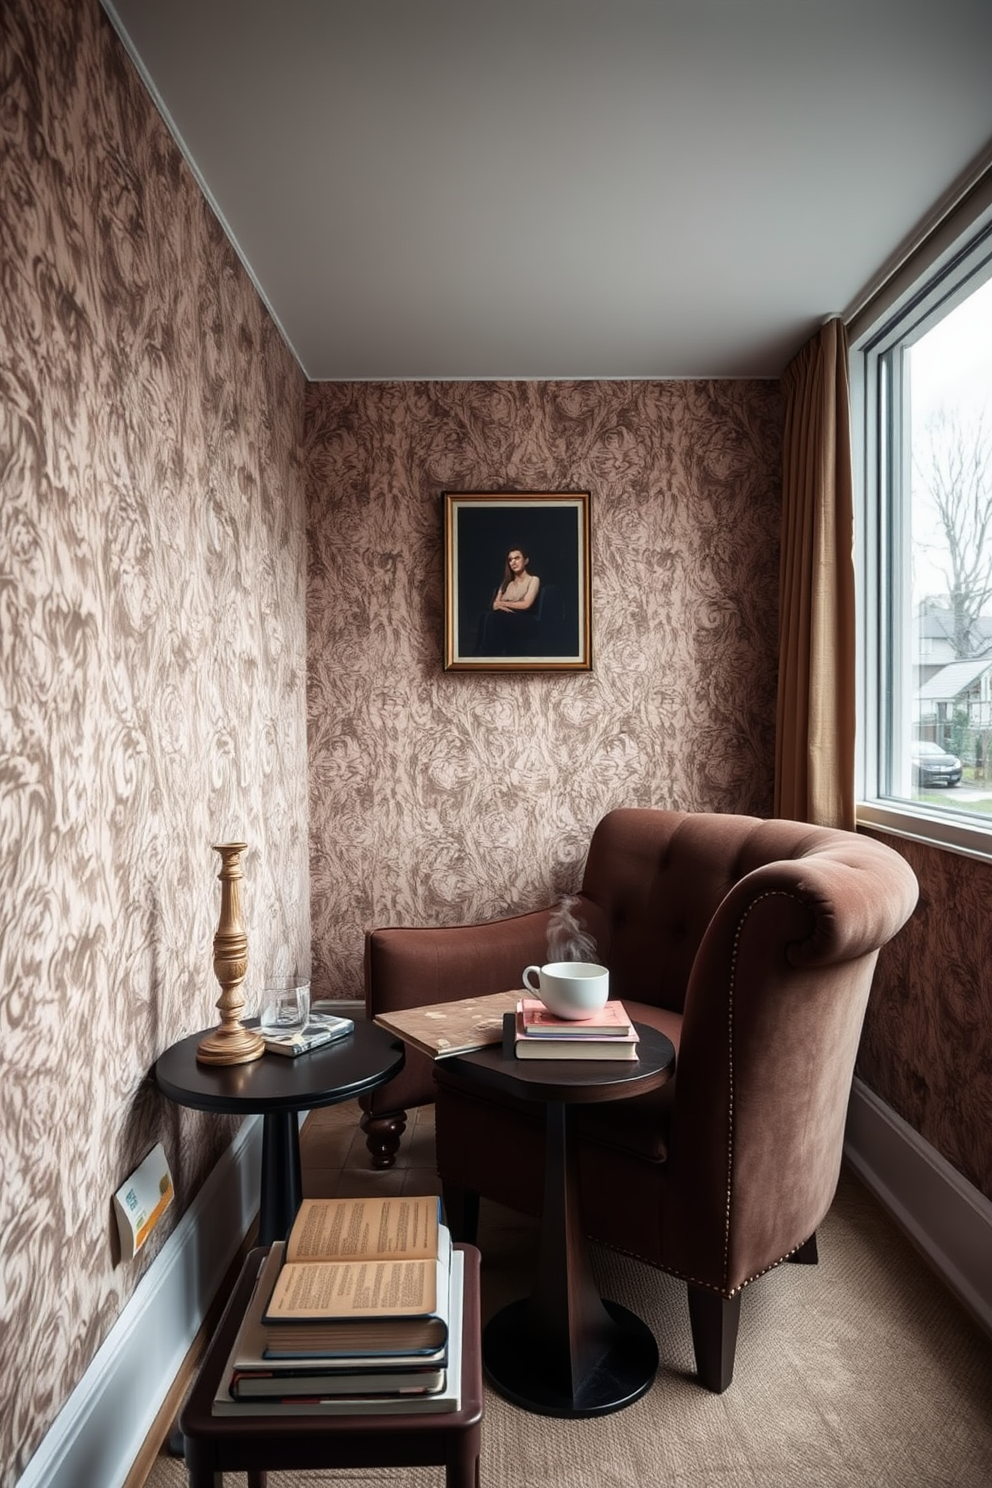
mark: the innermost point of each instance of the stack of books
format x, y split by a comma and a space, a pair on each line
357, 1313
538, 1034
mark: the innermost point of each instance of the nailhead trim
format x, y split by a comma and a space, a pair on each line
771, 894
706, 1286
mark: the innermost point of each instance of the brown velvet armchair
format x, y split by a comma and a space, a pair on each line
752, 945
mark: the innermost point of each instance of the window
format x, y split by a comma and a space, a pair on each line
921, 379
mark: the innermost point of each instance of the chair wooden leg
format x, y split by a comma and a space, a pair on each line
461, 1210
807, 1254
714, 1320
382, 1136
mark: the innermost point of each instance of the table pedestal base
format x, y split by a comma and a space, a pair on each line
564, 1351
282, 1179
517, 1365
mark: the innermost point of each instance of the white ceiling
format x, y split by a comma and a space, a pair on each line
565, 188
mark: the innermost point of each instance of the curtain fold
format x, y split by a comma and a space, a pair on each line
815, 716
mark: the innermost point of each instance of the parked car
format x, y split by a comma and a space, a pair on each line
933, 765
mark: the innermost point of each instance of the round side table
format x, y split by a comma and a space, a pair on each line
279, 1088
564, 1351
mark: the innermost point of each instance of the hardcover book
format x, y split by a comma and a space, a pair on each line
357, 1278
346, 1345
570, 1047
295, 1384
611, 1021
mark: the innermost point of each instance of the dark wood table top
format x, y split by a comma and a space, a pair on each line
335, 1072
573, 1081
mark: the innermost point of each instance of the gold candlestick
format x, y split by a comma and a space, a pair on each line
231, 1042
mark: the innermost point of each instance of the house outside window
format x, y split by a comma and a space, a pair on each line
921, 383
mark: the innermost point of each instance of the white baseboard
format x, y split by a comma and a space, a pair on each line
99, 1432
944, 1215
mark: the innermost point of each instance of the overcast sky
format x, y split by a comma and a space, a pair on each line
952, 364
951, 369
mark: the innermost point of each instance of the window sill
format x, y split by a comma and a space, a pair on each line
949, 832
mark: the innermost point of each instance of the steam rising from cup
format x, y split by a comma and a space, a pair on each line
568, 939
571, 984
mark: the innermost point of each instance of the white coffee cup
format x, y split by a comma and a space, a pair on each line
569, 989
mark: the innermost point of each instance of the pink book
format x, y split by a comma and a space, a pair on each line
611, 1021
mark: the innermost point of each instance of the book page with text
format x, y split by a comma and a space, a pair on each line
331, 1289
397, 1227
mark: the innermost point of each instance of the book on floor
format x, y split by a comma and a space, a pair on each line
326, 1400
443, 1028
610, 1021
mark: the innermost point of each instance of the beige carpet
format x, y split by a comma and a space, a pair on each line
859, 1371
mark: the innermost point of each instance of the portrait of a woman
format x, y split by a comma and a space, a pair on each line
516, 581
506, 627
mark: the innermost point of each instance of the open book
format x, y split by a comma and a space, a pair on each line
361, 1276
339, 1345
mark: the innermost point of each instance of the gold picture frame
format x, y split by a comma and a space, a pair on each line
495, 544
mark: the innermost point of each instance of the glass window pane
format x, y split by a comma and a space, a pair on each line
946, 455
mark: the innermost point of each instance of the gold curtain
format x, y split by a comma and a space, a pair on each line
815, 719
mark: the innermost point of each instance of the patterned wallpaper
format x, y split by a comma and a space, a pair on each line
927, 1043
155, 592
439, 797
152, 671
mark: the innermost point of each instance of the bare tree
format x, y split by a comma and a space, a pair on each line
953, 463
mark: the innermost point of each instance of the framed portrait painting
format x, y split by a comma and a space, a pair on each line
516, 581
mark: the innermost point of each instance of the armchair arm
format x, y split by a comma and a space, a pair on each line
772, 1022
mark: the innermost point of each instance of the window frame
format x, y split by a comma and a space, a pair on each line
939, 276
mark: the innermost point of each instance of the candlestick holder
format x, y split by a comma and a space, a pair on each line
231, 1042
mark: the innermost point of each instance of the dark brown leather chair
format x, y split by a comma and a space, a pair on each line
752, 945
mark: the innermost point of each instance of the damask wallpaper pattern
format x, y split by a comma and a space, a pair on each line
161, 558
927, 1043
439, 797
152, 671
